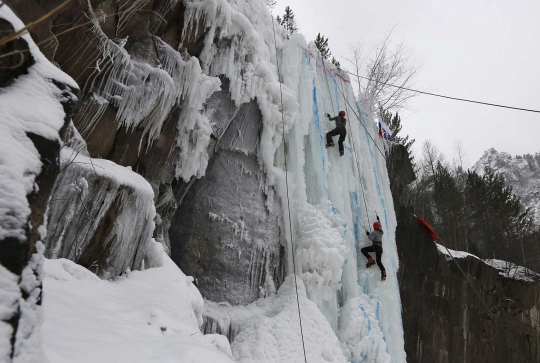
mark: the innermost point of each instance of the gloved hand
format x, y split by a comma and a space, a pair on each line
327, 115
367, 233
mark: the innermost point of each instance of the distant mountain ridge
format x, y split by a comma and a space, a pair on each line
522, 172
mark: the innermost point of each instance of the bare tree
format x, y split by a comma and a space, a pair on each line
384, 75
431, 155
271, 4
460, 156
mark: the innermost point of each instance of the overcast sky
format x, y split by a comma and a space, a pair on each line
486, 50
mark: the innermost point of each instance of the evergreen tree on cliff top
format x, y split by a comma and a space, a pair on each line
336, 63
322, 45
288, 21
394, 123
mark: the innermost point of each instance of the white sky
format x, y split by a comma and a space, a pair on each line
486, 50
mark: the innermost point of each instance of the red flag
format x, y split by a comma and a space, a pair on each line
430, 229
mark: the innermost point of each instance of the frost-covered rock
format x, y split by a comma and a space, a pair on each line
36, 100
100, 215
522, 173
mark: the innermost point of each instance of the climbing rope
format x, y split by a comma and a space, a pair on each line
355, 155
358, 166
287, 188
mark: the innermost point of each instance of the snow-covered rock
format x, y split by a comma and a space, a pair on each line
522, 173
36, 101
146, 316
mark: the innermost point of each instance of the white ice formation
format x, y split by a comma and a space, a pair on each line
331, 198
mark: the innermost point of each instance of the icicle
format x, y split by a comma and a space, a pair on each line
90, 111
126, 9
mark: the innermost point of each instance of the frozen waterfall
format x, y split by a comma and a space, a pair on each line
332, 200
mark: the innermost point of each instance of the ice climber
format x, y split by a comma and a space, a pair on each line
339, 130
376, 238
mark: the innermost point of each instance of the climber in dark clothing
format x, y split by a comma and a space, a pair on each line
339, 130
376, 238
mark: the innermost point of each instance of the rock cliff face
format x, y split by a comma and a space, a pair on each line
225, 213
445, 319
147, 105
522, 173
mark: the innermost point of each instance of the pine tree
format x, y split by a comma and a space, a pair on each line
448, 202
279, 20
288, 21
322, 45
394, 123
498, 221
336, 63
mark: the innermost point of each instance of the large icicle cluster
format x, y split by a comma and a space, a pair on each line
193, 88
247, 58
145, 95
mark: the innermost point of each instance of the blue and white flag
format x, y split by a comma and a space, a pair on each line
384, 131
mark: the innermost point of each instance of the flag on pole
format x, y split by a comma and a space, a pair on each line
384, 131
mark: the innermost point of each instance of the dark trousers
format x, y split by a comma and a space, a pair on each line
378, 253
340, 130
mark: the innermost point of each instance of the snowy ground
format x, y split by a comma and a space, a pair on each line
146, 316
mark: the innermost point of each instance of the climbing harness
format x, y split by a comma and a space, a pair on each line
287, 188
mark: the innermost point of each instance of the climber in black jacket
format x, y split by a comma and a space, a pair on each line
376, 238
339, 130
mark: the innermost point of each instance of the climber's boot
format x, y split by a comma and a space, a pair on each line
341, 153
370, 262
330, 145
383, 275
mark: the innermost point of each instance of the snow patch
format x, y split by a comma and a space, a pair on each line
449, 253
150, 316
512, 271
